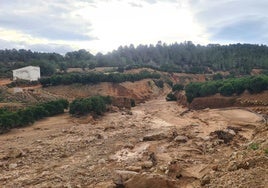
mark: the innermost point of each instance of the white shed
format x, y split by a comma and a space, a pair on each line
30, 73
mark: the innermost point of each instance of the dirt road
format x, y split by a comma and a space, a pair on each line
169, 145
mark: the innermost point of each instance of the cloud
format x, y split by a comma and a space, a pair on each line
53, 20
156, 1
133, 4
253, 30
49, 47
232, 20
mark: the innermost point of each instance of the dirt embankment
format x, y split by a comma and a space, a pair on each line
139, 91
218, 101
157, 143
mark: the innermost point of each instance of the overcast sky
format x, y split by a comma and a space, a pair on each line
103, 25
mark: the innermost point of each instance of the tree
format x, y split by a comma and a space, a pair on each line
227, 89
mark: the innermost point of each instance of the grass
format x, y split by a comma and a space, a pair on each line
254, 146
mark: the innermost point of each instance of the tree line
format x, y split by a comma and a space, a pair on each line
94, 77
177, 57
227, 87
11, 119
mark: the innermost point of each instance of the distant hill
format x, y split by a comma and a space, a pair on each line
178, 57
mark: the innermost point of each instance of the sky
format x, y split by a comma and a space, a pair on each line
104, 25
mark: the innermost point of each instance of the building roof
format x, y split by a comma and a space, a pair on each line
25, 68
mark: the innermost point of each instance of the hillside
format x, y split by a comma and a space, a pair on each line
238, 59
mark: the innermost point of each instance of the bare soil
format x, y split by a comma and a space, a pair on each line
156, 144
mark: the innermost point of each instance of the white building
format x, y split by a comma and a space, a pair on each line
30, 73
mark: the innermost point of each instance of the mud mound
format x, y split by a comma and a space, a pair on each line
212, 102
218, 101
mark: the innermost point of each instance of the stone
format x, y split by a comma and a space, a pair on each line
147, 165
155, 136
12, 165
124, 175
232, 166
134, 168
181, 139
15, 153
101, 161
150, 180
205, 180
129, 146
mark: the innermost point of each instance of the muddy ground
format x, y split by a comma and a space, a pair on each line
156, 144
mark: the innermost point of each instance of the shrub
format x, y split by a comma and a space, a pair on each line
159, 83
96, 104
132, 102
254, 146
227, 89
30, 114
171, 97
177, 87
254, 84
92, 78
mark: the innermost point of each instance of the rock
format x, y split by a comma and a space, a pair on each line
205, 180
206, 138
163, 168
15, 153
181, 139
101, 161
108, 184
215, 167
232, 166
134, 168
12, 165
224, 135
147, 165
129, 146
155, 136
149, 180
99, 136
230, 131
124, 175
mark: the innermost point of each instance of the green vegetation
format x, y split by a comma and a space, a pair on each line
227, 87
177, 87
171, 97
93, 78
159, 83
96, 104
254, 146
186, 57
21, 82
22, 117
132, 103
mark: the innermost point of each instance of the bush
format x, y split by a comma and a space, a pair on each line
132, 102
96, 104
227, 89
30, 114
255, 84
193, 91
177, 87
171, 97
254, 146
93, 78
159, 83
